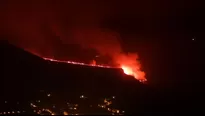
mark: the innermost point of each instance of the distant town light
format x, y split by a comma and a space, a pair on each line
65, 113
113, 97
76, 105
82, 96
48, 95
113, 111
105, 100
118, 111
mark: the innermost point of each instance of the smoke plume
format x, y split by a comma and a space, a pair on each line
50, 28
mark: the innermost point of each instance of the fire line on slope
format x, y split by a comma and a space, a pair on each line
126, 70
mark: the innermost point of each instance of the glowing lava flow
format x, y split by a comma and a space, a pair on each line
126, 70
77, 63
135, 73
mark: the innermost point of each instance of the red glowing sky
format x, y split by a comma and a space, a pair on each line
62, 29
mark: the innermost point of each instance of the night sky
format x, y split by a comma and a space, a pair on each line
165, 34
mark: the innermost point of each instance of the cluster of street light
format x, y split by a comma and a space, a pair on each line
40, 111
106, 105
72, 109
11, 112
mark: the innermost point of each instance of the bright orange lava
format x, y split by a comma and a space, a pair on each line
126, 69
139, 75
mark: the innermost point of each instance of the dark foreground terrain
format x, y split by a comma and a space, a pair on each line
32, 85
